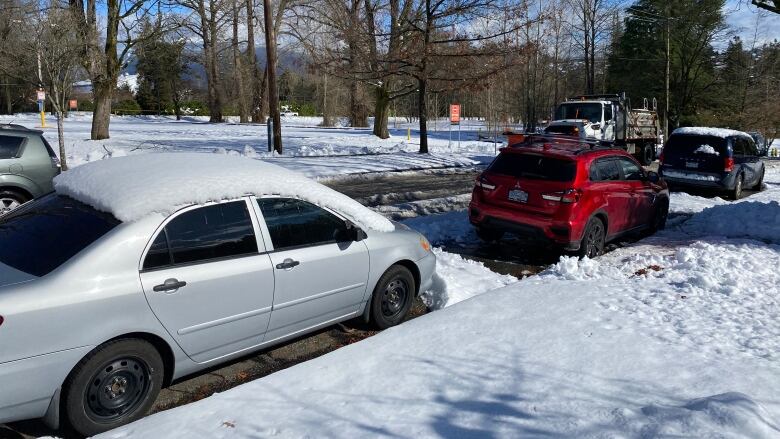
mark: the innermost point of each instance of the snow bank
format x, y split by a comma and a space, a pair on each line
134, 186
747, 219
458, 279
706, 131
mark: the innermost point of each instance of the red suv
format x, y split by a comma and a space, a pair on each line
573, 193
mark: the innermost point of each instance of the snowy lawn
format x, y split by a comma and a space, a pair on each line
677, 335
315, 151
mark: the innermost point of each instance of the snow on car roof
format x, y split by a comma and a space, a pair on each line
705, 131
134, 186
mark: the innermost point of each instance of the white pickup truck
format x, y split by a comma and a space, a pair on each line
609, 118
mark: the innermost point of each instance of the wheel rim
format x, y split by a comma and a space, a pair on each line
738, 190
8, 204
394, 297
117, 389
594, 241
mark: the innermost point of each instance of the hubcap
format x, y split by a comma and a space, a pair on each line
117, 389
8, 204
594, 241
394, 297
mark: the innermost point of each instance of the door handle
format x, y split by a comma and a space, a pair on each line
169, 285
287, 264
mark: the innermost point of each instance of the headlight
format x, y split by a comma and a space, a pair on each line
425, 244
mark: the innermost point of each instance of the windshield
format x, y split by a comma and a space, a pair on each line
575, 110
41, 235
534, 167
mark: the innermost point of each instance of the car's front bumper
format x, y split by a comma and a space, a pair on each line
427, 267
27, 385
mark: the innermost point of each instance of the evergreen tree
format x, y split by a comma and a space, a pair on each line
161, 65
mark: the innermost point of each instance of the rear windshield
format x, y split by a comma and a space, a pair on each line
10, 146
534, 167
688, 146
41, 235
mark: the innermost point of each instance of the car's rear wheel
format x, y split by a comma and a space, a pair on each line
392, 298
10, 200
593, 240
736, 193
115, 384
489, 235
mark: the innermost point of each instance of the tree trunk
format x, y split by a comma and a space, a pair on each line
381, 111
238, 70
61, 140
357, 109
101, 116
422, 111
273, 92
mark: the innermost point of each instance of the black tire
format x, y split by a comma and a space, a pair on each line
646, 154
760, 182
115, 384
593, 240
11, 199
660, 217
392, 297
489, 235
736, 193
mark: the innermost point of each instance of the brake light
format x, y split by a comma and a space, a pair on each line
484, 183
568, 196
728, 164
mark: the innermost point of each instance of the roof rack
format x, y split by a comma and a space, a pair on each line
586, 144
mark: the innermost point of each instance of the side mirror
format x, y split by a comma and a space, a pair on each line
653, 177
350, 233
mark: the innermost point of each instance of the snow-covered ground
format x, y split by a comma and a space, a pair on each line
677, 335
315, 151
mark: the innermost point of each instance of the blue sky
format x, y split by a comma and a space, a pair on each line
741, 15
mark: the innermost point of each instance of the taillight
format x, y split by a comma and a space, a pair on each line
568, 196
484, 183
661, 159
728, 164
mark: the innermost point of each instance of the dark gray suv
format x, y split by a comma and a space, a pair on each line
27, 166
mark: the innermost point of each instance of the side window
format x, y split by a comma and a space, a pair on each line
751, 147
202, 234
608, 170
297, 223
631, 171
10, 146
607, 113
594, 171
739, 146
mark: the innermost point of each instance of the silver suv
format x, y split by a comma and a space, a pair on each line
27, 166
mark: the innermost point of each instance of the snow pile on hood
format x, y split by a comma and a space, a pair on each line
132, 187
706, 131
747, 219
706, 149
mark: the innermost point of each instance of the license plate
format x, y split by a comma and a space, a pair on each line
518, 195
692, 164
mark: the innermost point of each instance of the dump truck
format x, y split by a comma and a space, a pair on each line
610, 119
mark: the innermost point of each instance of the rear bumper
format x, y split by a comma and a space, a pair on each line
27, 385
701, 180
526, 226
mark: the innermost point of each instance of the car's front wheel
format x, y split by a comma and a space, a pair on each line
115, 384
593, 240
760, 182
392, 298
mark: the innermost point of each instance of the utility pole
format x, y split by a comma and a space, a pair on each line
668, 57
273, 93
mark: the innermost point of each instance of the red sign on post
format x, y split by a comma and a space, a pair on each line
73, 104
455, 114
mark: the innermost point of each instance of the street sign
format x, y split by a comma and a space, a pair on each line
455, 114
41, 95
73, 104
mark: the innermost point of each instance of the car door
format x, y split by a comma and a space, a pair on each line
753, 162
318, 279
613, 191
641, 193
209, 281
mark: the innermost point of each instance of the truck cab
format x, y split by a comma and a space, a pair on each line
596, 117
